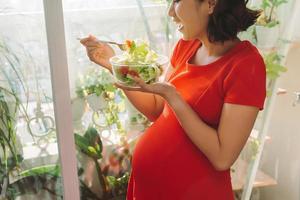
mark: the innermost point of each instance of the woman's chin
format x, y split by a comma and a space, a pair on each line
187, 37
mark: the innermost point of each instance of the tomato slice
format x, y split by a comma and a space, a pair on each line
133, 73
128, 43
124, 70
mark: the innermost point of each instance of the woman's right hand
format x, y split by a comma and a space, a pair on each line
98, 52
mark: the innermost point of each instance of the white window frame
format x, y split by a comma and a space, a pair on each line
54, 20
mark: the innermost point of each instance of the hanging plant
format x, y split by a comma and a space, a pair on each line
106, 100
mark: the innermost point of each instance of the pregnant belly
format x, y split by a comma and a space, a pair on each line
163, 146
155, 146
166, 161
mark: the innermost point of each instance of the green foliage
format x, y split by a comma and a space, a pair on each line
94, 81
36, 182
8, 141
53, 170
268, 16
101, 82
118, 185
254, 146
90, 144
273, 66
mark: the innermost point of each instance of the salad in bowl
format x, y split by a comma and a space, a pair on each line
138, 60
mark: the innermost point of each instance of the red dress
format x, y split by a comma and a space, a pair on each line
166, 165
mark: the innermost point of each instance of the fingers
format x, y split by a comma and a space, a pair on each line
92, 37
90, 41
92, 53
140, 82
141, 86
84, 40
92, 48
123, 87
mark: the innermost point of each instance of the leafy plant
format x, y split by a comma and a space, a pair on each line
273, 69
95, 81
118, 185
100, 82
37, 178
14, 182
10, 156
273, 66
268, 16
91, 145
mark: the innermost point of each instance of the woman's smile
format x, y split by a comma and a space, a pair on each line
178, 24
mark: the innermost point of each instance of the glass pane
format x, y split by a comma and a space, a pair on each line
30, 166
100, 110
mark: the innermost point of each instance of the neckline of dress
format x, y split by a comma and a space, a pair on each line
217, 62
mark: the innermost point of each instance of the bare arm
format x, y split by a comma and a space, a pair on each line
221, 146
150, 105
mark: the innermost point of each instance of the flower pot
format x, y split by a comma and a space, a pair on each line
96, 102
267, 37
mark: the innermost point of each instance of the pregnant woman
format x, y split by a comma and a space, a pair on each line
204, 111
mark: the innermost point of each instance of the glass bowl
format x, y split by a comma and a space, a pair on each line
150, 72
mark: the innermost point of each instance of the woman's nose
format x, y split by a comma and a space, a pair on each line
171, 10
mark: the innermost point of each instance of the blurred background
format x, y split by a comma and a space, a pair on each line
104, 124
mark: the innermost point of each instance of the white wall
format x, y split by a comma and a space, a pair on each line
281, 157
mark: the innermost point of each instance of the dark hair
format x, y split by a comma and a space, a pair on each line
229, 18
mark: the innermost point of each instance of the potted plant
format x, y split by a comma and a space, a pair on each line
267, 25
94, 95
105, 100
96, 86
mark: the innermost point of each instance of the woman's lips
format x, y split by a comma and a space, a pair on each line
179, 25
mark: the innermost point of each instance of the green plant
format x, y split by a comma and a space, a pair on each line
10, 156
268, 15
37, 178
273, 68
91, 145
12, 78
14, 182
94, 81
273, 65
100, 82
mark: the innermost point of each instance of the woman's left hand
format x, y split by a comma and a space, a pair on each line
164, 89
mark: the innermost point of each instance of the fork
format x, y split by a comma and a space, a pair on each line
120, 45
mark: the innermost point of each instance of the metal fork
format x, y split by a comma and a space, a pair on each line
120, 45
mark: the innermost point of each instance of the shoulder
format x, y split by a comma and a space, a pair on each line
247, 59
245, 82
